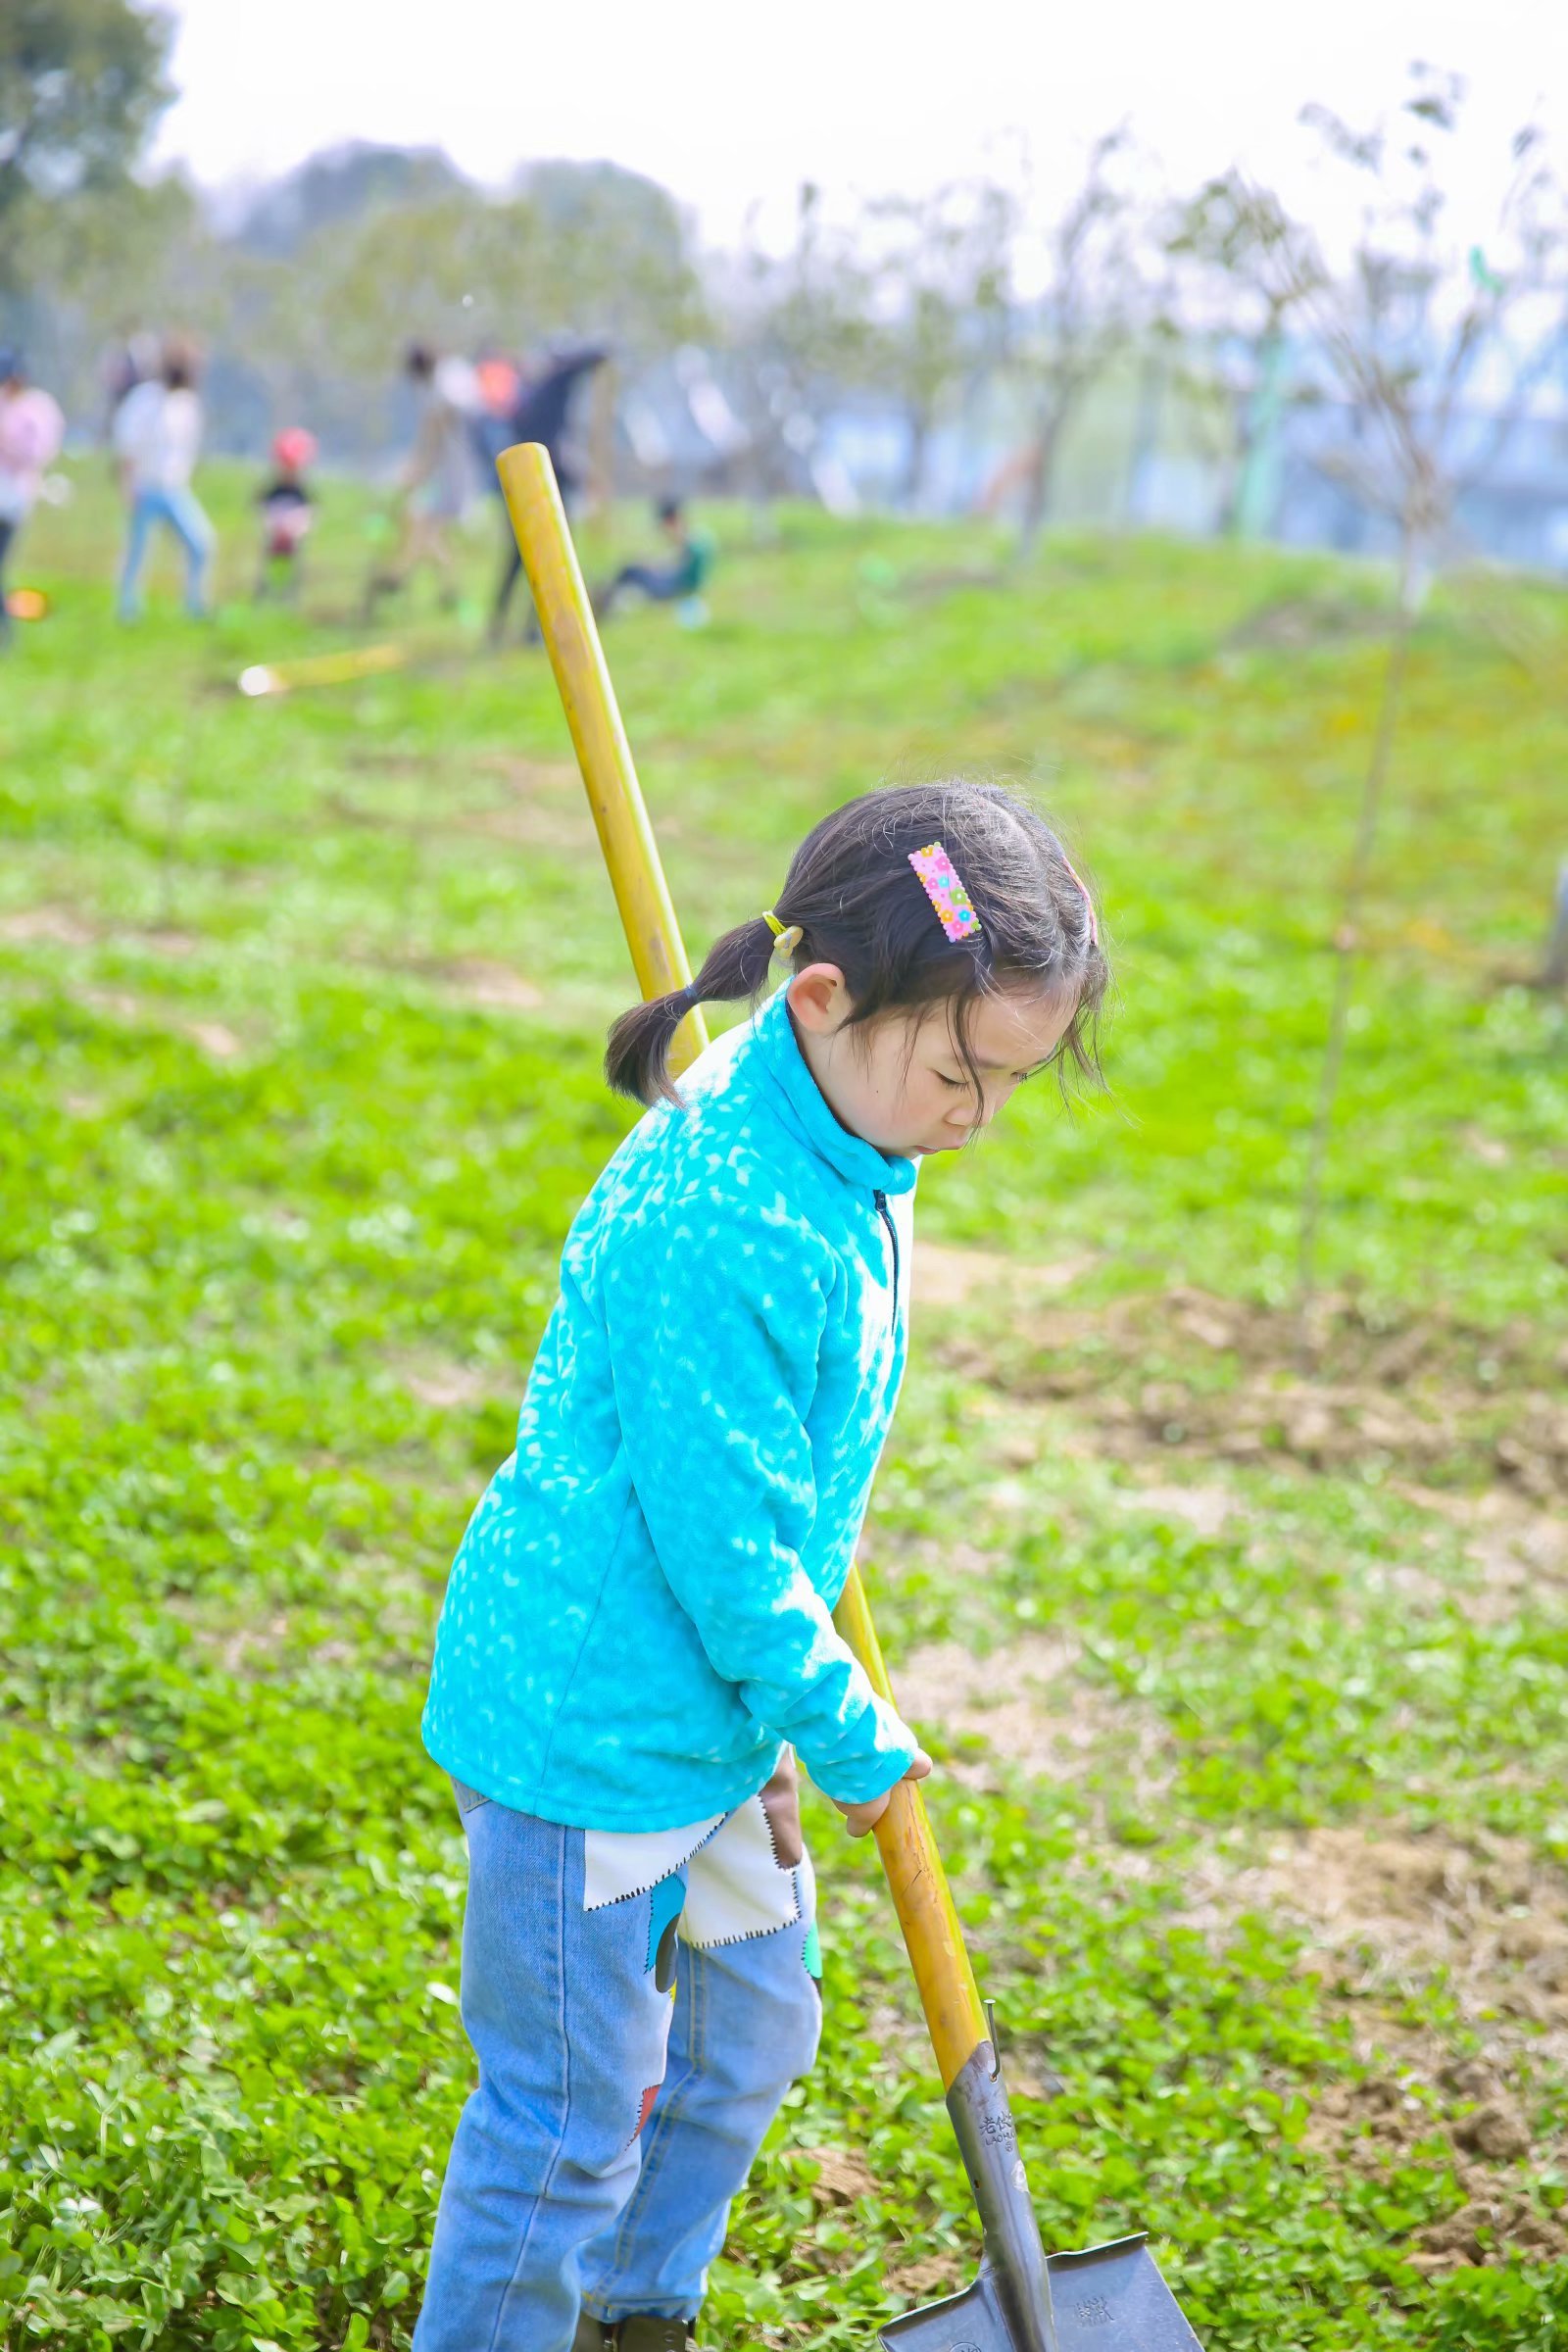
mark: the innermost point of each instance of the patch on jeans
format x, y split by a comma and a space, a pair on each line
648, 2096
781, 1804
811, 1953
664, 1915
736, 1887
619, 1863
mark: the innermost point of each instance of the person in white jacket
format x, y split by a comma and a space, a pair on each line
157, 438
31, 430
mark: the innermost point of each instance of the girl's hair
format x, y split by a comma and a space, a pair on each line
861, 905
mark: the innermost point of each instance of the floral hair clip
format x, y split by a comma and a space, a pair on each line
939, 878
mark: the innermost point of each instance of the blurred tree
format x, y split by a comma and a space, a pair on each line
1436, 347
600, 253
570, 253
1079, 322
1435, 344
82, 83
340, 187
942, 279
616, 259
799, 331
108, 261
1242, 266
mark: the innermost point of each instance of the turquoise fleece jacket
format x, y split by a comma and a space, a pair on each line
639, 1615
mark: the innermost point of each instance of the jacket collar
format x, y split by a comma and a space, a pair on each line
803, 1109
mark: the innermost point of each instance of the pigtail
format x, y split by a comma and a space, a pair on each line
637, 1053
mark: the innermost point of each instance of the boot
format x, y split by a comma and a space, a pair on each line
592, 2334
639, 2334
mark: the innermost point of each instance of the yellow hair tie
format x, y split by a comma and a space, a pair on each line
787, 936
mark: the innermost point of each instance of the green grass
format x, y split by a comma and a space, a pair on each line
284, 1187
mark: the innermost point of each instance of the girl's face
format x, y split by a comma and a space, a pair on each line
900, 1083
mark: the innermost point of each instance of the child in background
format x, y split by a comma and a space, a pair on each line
157, 439
638, 1628
288, 510
31, 430
679, 580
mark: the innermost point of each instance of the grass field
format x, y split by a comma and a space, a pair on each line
1248, 1683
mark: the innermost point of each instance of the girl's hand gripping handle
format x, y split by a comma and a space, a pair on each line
859, 1820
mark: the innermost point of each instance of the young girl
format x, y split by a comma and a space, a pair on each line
638, 1628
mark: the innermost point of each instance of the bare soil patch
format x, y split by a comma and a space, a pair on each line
478, 980
1028, 1705
842, 2175
63, 927
534, 824
529, 776
935, 2274
48, 926
1392, 1907
1300, 621
446, 1385
1188, 1371
1521, 1553
216, 1039
951, 1274
1386, 1909
1205, 1509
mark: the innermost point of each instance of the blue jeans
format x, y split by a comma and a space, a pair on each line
181, 513
594, 2165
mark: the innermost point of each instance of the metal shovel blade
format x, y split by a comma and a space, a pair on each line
1110, 2298
972, 2322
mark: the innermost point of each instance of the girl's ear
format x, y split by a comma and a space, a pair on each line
819, 998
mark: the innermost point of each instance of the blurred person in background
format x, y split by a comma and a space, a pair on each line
678, 580
436, 476
157, 438
541, 411
287, 509
31, 430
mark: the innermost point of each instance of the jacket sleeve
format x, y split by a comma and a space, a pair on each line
715, 1329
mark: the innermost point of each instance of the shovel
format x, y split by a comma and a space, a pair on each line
1108, 2298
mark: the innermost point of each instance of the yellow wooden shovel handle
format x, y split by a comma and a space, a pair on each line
915, 1875
916, 1879
571, 636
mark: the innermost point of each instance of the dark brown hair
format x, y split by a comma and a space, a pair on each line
180, 363
861, 905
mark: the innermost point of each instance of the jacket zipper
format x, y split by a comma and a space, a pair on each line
886, 1216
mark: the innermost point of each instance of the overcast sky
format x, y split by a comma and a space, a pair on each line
730, 104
